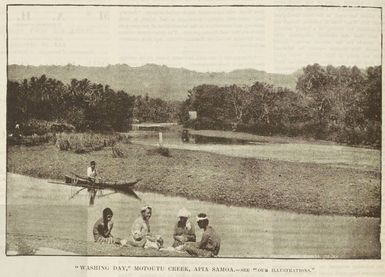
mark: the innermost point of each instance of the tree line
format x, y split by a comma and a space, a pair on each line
85, 105
341, 104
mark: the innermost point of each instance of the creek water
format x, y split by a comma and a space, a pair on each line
36, 207
334, 155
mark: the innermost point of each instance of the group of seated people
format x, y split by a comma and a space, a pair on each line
141, 236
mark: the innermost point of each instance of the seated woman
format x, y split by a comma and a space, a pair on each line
184, 231
103, 227
141, 233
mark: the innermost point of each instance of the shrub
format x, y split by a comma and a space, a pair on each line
163, 151
124, 138
13, 139
42, 127
62, 144
117, 151
85, 142
33, 140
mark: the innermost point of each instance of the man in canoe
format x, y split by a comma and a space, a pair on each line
210, 243
141, 235
92, 176
91, 171
103, 227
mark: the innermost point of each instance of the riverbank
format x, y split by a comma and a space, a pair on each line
279, 185
22, 244
66, 225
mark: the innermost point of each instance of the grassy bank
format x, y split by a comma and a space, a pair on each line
29, 244
299, 187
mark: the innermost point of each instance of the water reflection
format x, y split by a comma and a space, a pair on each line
37, 207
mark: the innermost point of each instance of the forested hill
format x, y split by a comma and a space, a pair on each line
157, 81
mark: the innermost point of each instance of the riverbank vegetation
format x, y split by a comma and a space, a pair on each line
341, 104
37, 104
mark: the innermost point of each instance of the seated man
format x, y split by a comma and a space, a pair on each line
103, 227
141, 233
91, 171
92, 176
184, 231
210, 243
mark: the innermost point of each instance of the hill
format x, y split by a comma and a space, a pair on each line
167, 83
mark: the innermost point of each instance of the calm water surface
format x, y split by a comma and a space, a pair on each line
335, 155
36, 207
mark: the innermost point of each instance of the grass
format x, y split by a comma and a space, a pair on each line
299, 187
28, 244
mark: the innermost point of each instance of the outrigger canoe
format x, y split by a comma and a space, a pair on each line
124, 187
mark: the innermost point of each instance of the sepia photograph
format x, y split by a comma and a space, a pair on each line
194, 131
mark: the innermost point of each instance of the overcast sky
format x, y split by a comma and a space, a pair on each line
279, 40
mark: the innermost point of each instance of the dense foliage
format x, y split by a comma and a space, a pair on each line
85, 105
149, 109
342, 104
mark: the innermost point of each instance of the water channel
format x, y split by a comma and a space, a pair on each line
37, 207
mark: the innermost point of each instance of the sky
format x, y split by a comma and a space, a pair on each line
206, 39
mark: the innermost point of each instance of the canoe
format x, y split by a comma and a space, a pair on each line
125, 187
78, 180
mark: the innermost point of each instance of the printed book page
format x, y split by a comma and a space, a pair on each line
202, 138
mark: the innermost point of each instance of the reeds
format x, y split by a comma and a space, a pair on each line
85, 142
33, 140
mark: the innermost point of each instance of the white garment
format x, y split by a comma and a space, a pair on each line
141, 236
91, 173
151, 245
